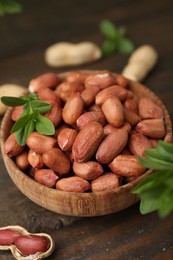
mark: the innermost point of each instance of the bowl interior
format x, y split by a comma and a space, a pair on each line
79, 204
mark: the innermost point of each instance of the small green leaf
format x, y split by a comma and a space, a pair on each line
13, 101
41, 106
44, 125
165, 203
126, 46
109, 47
154, 163
23, 133
20, 123
149, 201
122, 30
108, 29
10, 6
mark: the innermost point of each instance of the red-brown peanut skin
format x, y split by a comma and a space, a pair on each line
87, 142
126, 165
148, 109
91, 116
40, 143
77, 76
131, 117
16, 113
122, 81
47, 80
153, 128
111, 146
35, 159
88, 170
108, 129
8, 236
66, 138
11, 147
73, 109
107, 181
111, 91
55, 114
113, 111
132, 104
101, 79
31, 244
67, 89
22, 160
73, 184
56, 160
138, 143
46, 177
48, 95
88, 95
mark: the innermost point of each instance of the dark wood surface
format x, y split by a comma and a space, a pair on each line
23, 40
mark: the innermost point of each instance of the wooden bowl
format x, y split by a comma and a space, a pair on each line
79, 204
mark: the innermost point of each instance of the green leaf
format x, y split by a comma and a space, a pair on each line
154, 163
149, 201
23, 133
41, 106
10, 6
122, 30
165, 203
44, 125
108, 29
126, 46
13, 101
20, 123
109, 47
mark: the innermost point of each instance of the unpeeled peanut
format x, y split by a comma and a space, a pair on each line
73, 109
126, 165
88, 170
113, 111
68, 54
11, 147
89, 94
87, 142
73, 184
153, 128
46, 177
91, 116
148, 109
47, 80
138, 143
31, 244
107, 181
56, 160
66, 138
101, 79
40, 143
8, 236
22, 160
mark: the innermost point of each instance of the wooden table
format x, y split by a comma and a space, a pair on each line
23, 40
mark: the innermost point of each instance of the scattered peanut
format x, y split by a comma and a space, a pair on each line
70, 54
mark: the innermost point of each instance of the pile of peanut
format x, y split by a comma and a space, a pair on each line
100, 128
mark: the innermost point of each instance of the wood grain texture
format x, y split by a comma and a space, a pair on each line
125, 235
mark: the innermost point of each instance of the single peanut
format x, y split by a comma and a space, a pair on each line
148, 109
47, 80
73, 184
67, 89
153, 128
101, 79
138, 143
16, 113
111, 146
66, 138
55, 114
91, 116
111, 91
40, 143
77, 76
88, 95
126, 165
11, 147
35, 159
87, 142
121, 81
46, 177
107, 181
56, 160
8, 236
113, 111
73, 109
88, 170
48, 95
22, 160
31, 244
132, 104
131, 117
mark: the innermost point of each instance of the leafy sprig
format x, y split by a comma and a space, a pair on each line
156, 190
10, 7
31, 118
115, 40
